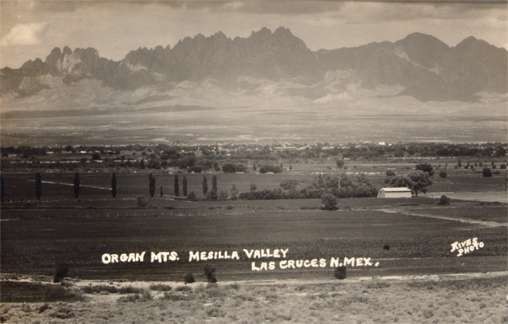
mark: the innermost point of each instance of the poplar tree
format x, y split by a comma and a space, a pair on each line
77, 184
176, 186
113, 185
151, 184
204, 183
38, 186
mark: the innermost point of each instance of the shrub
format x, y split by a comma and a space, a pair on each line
142, 202
192, 196
340, 273
444, 200
390, 173
188, 278
486, 172
144, 296
232, 168
443, 174
61, 271
503, 166
160, 287
328, 202
210, 273
270, 168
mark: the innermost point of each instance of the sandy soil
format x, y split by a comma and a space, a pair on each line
469, 298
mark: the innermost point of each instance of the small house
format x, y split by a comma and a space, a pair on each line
398, 192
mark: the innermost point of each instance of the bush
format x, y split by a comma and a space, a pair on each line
444, 200
210, 273
443, 174
486, 172
142, 202
340, 273
192, 196
503, 166
188, 278
270, 168
61, 271
160, 287
390, 173
328, 202
232, 168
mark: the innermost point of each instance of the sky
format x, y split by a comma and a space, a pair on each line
31, 28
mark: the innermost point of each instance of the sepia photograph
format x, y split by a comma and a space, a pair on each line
253, 161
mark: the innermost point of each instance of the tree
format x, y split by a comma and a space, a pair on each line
151, 184
328, 202
443, 174
253, 187
340, 163
176, 186
113, 185
419, 181
161, 191
204, 184
214, 192
77, 183
2, 188
425, 167
487, 173
184, 185
38, 186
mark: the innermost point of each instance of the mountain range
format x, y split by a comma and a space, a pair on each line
419, 66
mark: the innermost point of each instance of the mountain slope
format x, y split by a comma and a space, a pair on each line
422, 66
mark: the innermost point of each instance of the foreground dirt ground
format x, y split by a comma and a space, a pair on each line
429, 299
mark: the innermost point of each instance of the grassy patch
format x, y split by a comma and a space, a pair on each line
31, 292
160, 287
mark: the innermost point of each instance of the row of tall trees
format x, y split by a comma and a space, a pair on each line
151, 186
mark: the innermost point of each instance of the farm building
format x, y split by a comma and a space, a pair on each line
399, 192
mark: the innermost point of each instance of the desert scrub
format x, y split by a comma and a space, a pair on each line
378, 284
36, 292
160, 287
183, 288
139, 297
63, 312
97, 289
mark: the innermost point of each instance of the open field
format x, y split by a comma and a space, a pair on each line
60, 229
36, 236
432, 299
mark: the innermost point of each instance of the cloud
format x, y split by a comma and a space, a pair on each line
24, 34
